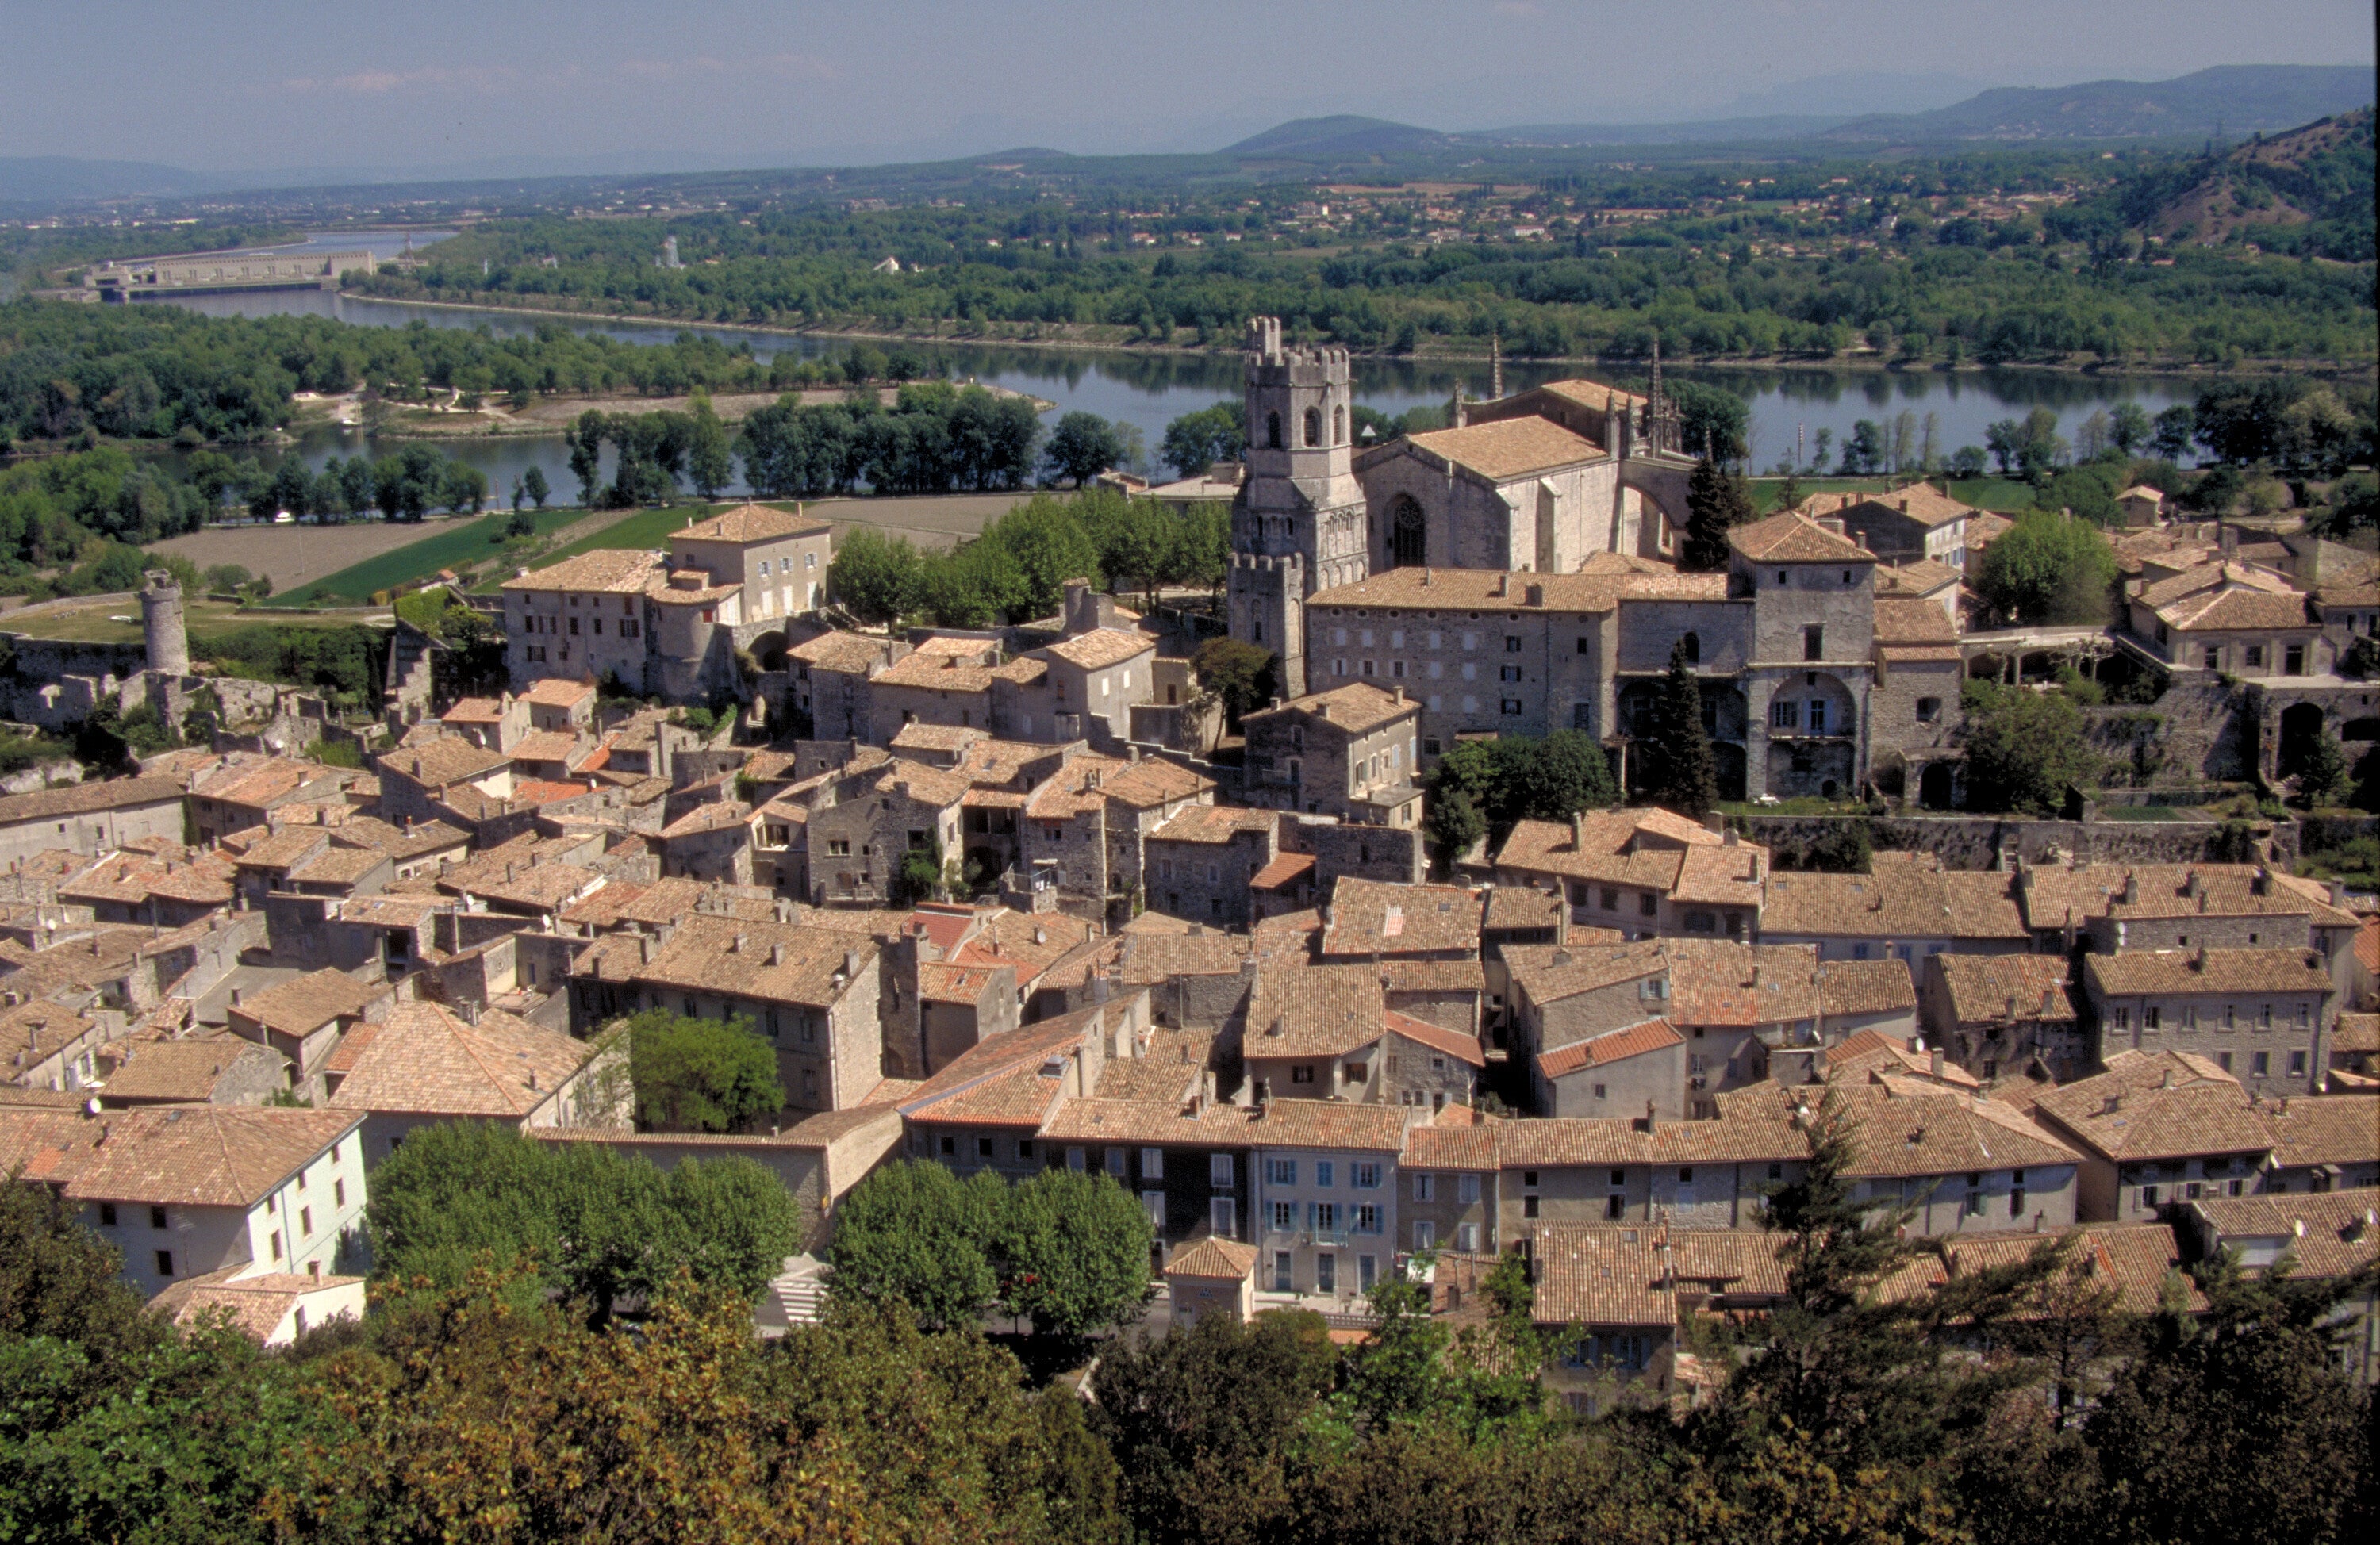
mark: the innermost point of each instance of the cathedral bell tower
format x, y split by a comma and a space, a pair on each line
1299, 524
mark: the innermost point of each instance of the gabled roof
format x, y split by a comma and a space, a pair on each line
1375, 917
1504, 449
2184, 972
752, 522
1295, 1009
1101, 647
1597, 1051
256, 1304
1438, 1038
2006, 987
206, 1155
2325, 1129
1358, 707
1921, 503
445, 762
305, 1004
849, 652
1212, 1256
421, 1060
611, 571
2328, 1234
82, 798
2156, 1105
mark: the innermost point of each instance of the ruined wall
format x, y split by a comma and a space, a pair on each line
2198, 729
1396, 854
1988, 841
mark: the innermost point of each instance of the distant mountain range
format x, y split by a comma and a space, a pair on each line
2233, 100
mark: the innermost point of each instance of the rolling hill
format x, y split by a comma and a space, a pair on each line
2308, 190
1340, 138
2231, 100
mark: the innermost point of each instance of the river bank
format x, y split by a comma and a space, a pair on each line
1093, 339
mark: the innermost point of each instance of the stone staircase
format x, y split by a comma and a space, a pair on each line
795, 1297
412, 674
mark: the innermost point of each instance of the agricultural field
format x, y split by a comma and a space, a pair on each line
100, 619
460, 544
294, 556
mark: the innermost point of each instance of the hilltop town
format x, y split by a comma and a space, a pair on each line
1005, 901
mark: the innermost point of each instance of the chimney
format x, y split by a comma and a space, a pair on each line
1535, 595
1729, 838
644, 949
1400, 692
1715, 822
2132, 888
1504, 585
2049, 1003
236, 994
1934, 1065
1426, 575
737, 947
851, 962
776, 953
1578, 831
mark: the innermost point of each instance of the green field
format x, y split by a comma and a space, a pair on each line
1999, 494
473, 543
95, 622
647, 531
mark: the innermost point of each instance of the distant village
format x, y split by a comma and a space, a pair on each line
995, 902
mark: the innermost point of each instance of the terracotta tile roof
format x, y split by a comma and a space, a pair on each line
1924, 577
1899, 899
608, 571
1328, 1124
1721, 876
1374, 917
693, 588
1153, 782
1213, 824
2356, 1033
1515, 907
1983, 528
1549, 973
1601, 1277
1792, 538
1455, 1043
259, 784
130, 877
1507, 448
1907, 1128
1015, 1078
2239, 608
445, 763
2179, 972
753, 523
31, 1033
1032, 942
555, 692
2006, 987
1212, 1256
1900, 622
1437, 1144
849, 652
1433, 976
256, 1304
545, 746
769, 962
1282, 871
1305, 921
1716, 982
938, 671
154, 1069
1750, 1135
1592, 394
1921, 503
934, 737
2135, 1259
1147, 958
2324, 1129
337, 866
1474, 590
1597, 1051
83, 798
1295, 1009
51, 1144
544, 887
1872, 1055
282, 849
1642, 848
421, 1060
1358, 707
2329, 1233
1865, 987
399, 843
305, 1004
1102, 648
715, 815
1156, 1122
1171, 1069
474, 710
2156, 1106
206, 1155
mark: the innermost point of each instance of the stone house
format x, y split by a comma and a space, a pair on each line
1688, 1173
1354, 752
1326, 1194
1997, 1015
1644, 871
423, 783
2323, 1143
93, 817
1448, 1175
778, 557
156, 882
1210, 1275
1187, 1160
247, 791
584, 617
496, 723
1203, 865
813, 994
52, 1046
2156, 1130
1610, 1295
304, 1019
987, 1109
1914, 706
2260, 1015
1428, 1066
423, 1063
831, 675
1197, 979
185, 1190
1369, 921
2143, 506
2228, 907
1088, 825
562, 706
712, 842
2328, 1236
1908, 908
215, 1068
855, 843
272, 1308
945, 680
2232, 619
1088, 686
1911, 525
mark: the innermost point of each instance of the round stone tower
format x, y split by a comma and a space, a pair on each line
161, 624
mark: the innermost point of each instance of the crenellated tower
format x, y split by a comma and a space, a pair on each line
1299, 524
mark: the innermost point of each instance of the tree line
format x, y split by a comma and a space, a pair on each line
574, 1358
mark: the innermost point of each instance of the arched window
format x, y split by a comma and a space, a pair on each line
1338, 426
1272, 431
1408, 533
1313, 426
1693, 644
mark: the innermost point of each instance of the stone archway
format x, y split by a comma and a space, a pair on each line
2300, 729
1935, 786
769, 650
1659, 482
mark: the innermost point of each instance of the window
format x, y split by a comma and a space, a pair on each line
2151, 1018
2297, 1064
1152, 1163
1930, 709
1783, 715
1510, 673
1511, 705
165, 1264
1610, 900
1281, 1260
1702, 922
1325, 1217
1367, 1217
1818, 716
2260, 1064
1117, 1162
1223, 1217
274, 1241
1813, 641
1326, 1273
1466, 1237
1694, 642
1284, 1216
1302, 1073
1649, 904
1077, 1160
1365, 1176
107, 1214
1153, 1204
1313, 426
1025, 1148
2256, 656
1325, 1173
156, 1217
1528, 1207
2016, 1198
983, 1147
1219, 1170
2214, 657
1424, 1235
1280, 1172
2293, 660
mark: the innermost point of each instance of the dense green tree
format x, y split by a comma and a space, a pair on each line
2024, 749
1244, 675
2048, 569
1197, 440
1680, 773
1714, 423
697, 1075
1717, 502
913, 1233
60, 1282
710, 459
2323, 775
533, 484
1453, 823
1083, 446
874, 577
1074, 1254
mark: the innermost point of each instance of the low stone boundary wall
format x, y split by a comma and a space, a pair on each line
1988, 841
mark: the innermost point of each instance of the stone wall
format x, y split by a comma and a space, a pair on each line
1397, 855
2197, 730
1986, 841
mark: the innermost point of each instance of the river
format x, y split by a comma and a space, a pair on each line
1789, 407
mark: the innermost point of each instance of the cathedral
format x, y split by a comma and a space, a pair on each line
1540, 482
1515, 573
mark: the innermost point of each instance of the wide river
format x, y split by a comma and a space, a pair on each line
1789, 407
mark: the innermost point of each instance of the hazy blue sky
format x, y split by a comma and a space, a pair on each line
263, 84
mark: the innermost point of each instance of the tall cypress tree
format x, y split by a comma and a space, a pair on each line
1679, 770
1717, 501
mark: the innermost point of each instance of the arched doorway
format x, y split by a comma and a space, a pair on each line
1935, 786
1408, 533
2300, 729
769, 650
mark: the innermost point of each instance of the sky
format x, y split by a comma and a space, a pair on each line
254, 85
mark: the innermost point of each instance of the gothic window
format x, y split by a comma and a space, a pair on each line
1408, 533
1272, 431
1338, 426
1313, 428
